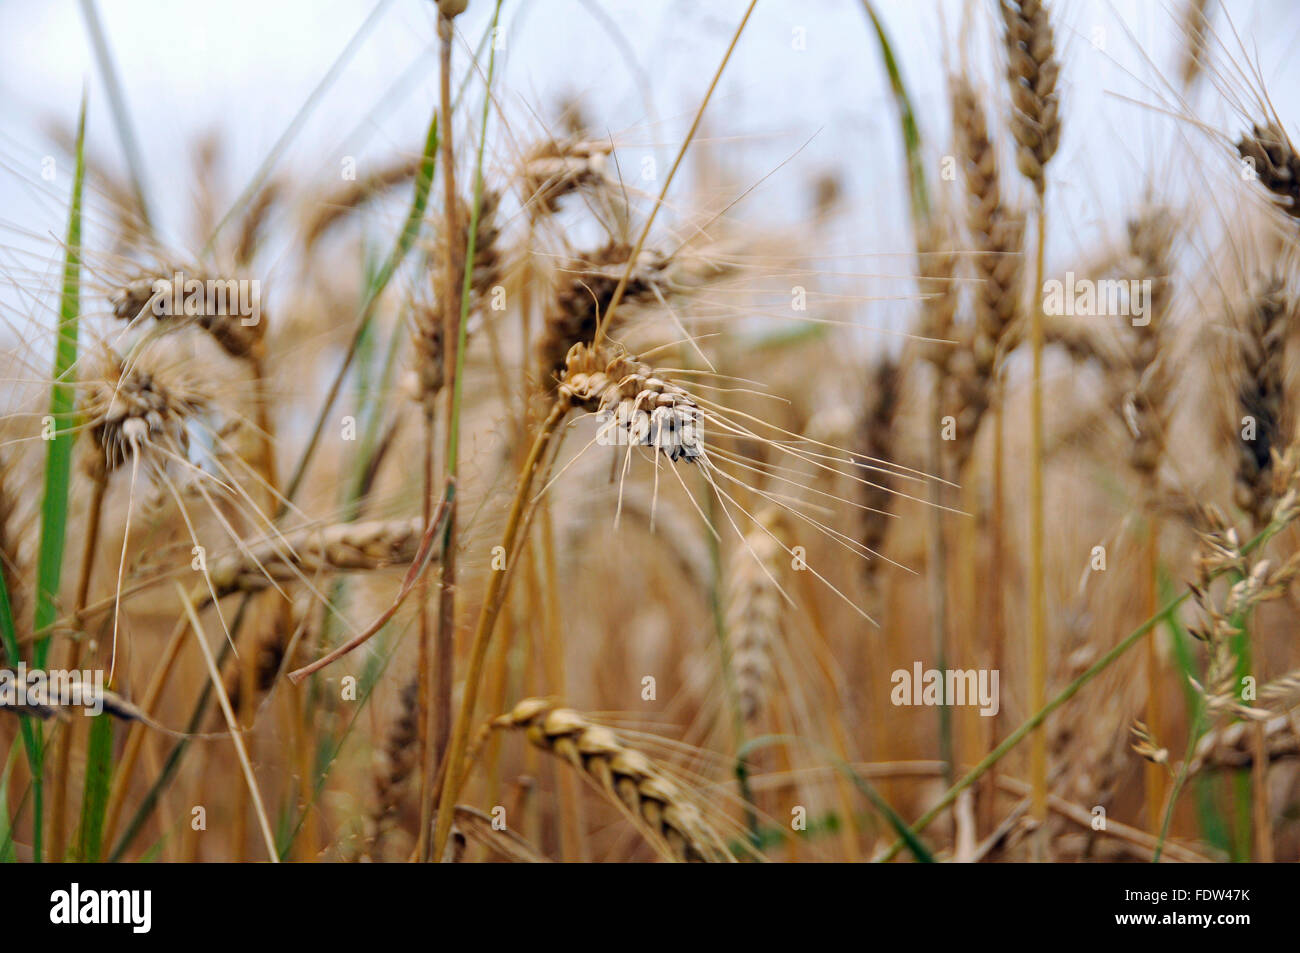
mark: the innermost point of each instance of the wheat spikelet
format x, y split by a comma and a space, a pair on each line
254, 221
1232, 746
487, 252
1275, 162
10, 558
963, 395
1195, 24
754, 611
1032, 69
656, 804
634, 405
343, 547
586, 288
1146, 410
394, 763
426, 341
1261, 397
129, 409
553, 169
234, 333
997, 231
877, 443
352, 194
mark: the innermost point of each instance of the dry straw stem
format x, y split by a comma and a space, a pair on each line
231, 724
493, 598
1275, 162
660, 808
436, 684
1032, 69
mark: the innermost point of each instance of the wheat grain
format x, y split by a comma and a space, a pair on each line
634, 405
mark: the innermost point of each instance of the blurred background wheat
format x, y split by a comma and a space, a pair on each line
636, 396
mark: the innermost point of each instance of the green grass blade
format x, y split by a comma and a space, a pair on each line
126, 136
7, 853
31, 740
58, 459
94, 801
918, 192
58, 463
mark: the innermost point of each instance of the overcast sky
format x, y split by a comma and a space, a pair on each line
806, 70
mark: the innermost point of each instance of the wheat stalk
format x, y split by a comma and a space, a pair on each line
1032, 69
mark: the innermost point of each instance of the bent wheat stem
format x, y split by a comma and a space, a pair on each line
493, 598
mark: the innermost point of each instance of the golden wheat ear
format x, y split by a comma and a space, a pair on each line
1261, 398
586, 288
1033, 69
658, 805
394, 763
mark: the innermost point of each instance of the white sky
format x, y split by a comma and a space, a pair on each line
246, 66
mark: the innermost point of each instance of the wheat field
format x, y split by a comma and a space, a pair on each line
634, 474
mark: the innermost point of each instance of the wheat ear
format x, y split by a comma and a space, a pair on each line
654, 802
1275, 162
